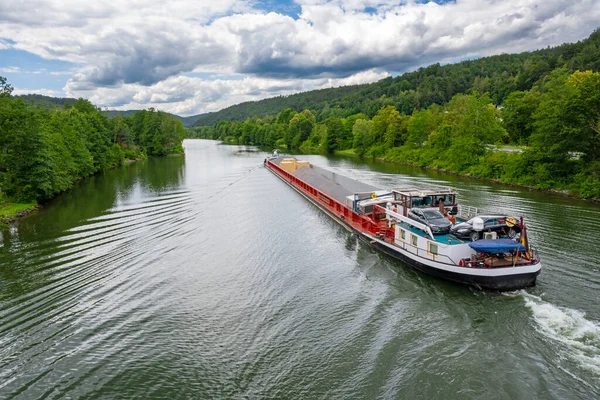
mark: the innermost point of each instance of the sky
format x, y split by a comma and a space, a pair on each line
194, 56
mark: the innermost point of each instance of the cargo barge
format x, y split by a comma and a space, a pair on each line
491, 258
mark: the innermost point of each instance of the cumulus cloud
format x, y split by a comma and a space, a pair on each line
191, 95
133, 52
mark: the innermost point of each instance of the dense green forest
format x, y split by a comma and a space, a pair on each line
45, 151
47, 102
530, 119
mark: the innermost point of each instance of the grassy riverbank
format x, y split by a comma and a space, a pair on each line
10, 211
563, 190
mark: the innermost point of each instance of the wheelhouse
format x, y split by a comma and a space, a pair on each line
407, 198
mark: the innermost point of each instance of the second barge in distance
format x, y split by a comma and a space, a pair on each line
490, 258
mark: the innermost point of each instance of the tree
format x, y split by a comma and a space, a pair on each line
5, 88
419, 126
472, 123
335, 130
362, 136
388, 127
26, 169
517, 114
285, 116
531, 72
348, 139
299, 129
121, 134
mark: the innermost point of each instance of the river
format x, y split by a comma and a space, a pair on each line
205, 276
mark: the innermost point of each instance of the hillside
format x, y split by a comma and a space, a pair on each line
47, 102
51, 103
274, 105
498, 75
186, 121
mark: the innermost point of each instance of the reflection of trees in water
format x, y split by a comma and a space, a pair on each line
94, 195
25, 243
162, 174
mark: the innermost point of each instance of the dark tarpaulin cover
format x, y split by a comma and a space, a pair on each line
496, 246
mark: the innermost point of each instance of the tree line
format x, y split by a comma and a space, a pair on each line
547, 137
44, 152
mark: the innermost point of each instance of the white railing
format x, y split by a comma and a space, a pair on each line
389, 213
467, 212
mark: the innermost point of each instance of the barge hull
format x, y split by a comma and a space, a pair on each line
356, 224
495, 283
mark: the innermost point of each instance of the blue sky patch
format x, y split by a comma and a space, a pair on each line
27, 71
285, 7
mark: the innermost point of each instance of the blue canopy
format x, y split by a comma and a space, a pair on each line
496, 246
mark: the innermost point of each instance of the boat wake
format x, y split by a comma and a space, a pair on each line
579, 335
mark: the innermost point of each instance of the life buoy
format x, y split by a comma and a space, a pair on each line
373, 195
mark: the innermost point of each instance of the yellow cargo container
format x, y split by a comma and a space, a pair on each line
291, 164
288, 165
302, 164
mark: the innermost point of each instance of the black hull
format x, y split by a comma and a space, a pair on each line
494, 283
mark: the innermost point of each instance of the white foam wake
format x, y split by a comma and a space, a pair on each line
580, 336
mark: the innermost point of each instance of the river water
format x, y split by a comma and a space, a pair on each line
205, 276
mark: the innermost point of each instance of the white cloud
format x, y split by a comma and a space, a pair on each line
136, 53
45, 92
11, 70
189, 95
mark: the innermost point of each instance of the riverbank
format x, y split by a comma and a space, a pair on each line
9, 212
565, 193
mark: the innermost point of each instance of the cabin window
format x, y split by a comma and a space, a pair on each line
403, 235
413, 240
432, 248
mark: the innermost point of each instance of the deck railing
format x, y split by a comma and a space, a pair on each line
467, 212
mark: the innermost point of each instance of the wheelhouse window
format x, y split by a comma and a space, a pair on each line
432, 248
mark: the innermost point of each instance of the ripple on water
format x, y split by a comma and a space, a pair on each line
224, 283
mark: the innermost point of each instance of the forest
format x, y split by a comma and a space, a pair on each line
44, 151
530, 119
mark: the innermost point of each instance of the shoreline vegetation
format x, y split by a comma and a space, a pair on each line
10, 212
530, 120
565, 193
44, 152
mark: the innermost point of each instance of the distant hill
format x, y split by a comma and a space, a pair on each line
436, 84
275, 105
47, 102
190, 121
186, 121
50, 103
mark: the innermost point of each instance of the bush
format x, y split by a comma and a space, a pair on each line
590, 188
130, 154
